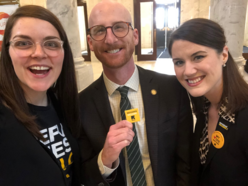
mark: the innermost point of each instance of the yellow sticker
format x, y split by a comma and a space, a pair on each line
218, 139
132, 115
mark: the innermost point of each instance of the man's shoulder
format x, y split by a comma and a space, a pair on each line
93, 86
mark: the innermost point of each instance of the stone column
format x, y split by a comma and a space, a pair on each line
246, 29
66, 11
204, 6
189, 9
231, 15
194, 9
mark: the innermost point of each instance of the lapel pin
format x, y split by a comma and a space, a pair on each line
154, 92
223, 126
218, 139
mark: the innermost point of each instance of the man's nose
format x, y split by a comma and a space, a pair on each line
110, 37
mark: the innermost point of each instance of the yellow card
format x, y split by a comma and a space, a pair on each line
132, 115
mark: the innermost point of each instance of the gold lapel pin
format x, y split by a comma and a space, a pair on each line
154, 92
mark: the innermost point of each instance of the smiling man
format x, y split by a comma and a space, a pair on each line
151, 151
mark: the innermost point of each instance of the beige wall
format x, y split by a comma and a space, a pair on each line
204, 6
201, 8
33, 2
246, 29
194, 9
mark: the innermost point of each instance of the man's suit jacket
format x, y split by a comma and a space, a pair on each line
227, 166
26, 161
169, 127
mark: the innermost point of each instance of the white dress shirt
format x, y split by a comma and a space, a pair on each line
135, 98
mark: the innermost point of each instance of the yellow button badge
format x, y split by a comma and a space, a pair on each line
218, 139
153, 92
132, 115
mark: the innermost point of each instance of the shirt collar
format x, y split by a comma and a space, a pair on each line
132, 83
222, 111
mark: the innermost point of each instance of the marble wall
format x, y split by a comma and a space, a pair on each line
33, 2
246, 29
189, 9
231, 16
66, 11
204, 8
194, 9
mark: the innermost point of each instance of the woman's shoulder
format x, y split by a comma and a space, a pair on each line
2, 107
243, 113
3, 113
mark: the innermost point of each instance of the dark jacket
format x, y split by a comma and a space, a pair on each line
169, 128
24, 161
227, 166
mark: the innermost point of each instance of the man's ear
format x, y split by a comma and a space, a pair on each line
136, 36
89, 39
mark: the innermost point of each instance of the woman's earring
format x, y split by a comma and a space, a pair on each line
224, 65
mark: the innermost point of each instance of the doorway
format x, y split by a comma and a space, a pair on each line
83, 25
155, 21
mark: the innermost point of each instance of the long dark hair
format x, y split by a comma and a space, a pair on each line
209, 33
11, 92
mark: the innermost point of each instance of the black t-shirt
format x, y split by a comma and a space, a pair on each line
52, 130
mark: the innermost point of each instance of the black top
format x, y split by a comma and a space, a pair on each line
227, 166
27, 162
52, 130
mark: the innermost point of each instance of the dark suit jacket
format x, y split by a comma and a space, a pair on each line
24, 161
227, 166
168, 122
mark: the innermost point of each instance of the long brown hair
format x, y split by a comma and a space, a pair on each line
11, 92
209, 33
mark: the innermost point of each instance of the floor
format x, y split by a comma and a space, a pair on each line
161, 65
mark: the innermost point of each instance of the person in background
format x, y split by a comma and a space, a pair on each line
155, 149
206, 69
39, 111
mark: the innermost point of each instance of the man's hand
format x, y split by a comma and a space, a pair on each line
119, 136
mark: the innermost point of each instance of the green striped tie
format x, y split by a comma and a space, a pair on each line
133, 151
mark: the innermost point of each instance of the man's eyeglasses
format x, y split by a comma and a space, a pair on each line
25, 48
119, 29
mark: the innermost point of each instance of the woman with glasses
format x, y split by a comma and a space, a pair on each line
38, 102
219, 95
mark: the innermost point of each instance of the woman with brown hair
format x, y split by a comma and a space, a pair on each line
219, 96
38, 102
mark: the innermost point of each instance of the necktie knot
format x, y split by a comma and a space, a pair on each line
123, 91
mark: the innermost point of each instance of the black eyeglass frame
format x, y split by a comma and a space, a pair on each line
128, 24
